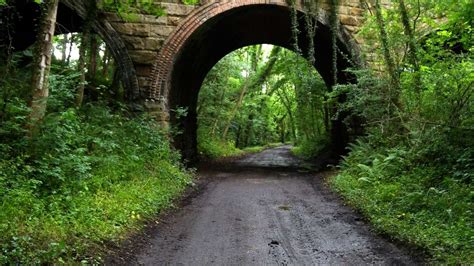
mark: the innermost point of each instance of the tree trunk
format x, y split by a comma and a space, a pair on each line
389, 62
334, 31
234, 111
287, 103
394, 91
251, 82
93, 57
92, 68
412, 51
248, 131
85, 41
115, 87
42, 56
281, 124
81, 68
64, 42
410, 34
106, 63
71, 44
216, 120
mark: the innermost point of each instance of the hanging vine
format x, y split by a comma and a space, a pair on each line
334, 24
294, 26
311, 10
311, 14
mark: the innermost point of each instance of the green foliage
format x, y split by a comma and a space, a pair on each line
409, 192
191, 2
129, 9
412, 175
279, 105
87, 177
214, 149
310, 148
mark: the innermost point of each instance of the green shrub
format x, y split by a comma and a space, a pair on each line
419, 193
87, 177
310, 148
215, 149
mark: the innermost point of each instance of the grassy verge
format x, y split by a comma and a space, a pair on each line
214, 149
309, 149
87, 178
415, 202
256, 149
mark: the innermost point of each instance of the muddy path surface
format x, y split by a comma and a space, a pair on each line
260, 210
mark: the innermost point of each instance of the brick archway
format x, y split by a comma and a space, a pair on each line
117, 47
163, 66
218, 28
70, 18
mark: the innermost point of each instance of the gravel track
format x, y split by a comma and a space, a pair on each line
262, 211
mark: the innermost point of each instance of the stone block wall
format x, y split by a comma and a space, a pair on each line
145, 35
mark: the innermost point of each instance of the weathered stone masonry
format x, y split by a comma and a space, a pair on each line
148, 35
165, 59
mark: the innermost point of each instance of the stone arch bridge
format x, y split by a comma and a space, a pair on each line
164, 60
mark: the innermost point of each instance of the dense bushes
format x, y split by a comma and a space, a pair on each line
89, 176
85, 177
419, 191
214, 149
412, 174
309, 149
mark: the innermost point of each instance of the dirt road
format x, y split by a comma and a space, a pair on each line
252, 214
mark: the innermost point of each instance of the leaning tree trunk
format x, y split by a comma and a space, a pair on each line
389, 62
243, 90
251, 82
42, 55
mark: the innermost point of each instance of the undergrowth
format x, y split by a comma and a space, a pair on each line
310, 148
85, 178
214, 149
417, 192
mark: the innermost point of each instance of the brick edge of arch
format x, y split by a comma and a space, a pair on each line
164, 62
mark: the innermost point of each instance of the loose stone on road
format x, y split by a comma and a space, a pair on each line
247, 215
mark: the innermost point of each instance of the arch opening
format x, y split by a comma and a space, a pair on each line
260, 96
235, 28
20, 33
